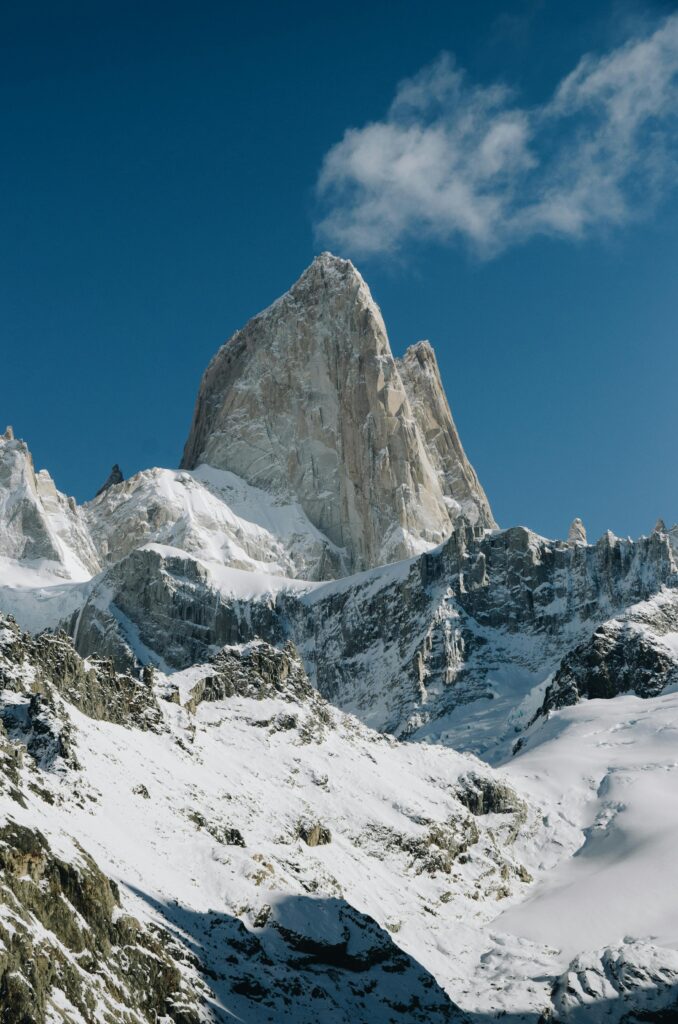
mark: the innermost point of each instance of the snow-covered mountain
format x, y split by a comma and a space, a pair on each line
42, 532
254, 768
213, 514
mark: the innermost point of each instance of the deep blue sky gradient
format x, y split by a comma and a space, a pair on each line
157, 189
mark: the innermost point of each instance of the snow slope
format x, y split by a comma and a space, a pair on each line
267, 817
611, 768
215, 515
276, 838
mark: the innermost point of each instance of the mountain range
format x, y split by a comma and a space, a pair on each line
297, 732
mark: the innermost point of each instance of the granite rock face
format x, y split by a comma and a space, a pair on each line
420, 375
577, 532
48, 666
308, 403
39, 526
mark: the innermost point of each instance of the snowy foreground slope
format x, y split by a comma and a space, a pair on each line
257, 855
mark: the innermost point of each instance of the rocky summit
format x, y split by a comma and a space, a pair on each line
294, 732
307, 402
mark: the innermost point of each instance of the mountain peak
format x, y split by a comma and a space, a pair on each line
577, 532
42, 525
328, 258
327, 261
419, 349
308, 403
328, 272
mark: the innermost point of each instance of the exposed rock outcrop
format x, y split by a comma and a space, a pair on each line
482, 794
257, 670
307, 402
314, 833
68, 951
577, 532
39, 526
624, 655
48, 664
113, 478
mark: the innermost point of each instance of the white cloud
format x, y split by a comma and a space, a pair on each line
456, 161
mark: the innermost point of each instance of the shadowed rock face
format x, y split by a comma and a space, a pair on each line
166, 605
113, 478
307, 402
62, 931
618, 658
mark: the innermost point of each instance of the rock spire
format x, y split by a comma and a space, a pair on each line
577, 532
114, 477
308, 402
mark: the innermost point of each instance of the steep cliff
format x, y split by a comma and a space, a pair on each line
420, 375
41, 530
308, 403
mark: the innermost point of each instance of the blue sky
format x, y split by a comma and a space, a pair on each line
169, 169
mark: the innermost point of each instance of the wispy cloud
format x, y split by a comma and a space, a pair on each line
452, 160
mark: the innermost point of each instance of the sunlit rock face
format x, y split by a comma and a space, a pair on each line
40, 527
308, 402
420, 375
